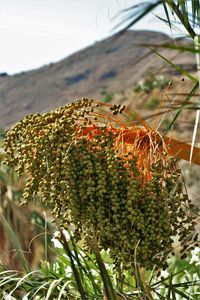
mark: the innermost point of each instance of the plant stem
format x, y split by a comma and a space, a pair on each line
108, 287
76, 273
197, 55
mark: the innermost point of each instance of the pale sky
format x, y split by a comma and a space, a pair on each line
34, 33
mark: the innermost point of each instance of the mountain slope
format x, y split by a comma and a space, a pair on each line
115, 64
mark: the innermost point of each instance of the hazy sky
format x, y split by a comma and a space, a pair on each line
36, 32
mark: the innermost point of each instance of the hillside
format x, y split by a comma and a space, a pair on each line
114, 64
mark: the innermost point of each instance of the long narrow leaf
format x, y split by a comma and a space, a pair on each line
176, 67
39, 288
90, 276
172, 47
167, 14
182, 15
62, 291
52, 287
137, 13
15, 243
22, 280
189, 96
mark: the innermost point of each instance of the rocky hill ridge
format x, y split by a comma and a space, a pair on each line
114, 64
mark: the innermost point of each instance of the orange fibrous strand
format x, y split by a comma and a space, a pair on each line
138, 142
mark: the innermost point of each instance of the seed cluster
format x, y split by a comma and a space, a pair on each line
112, 181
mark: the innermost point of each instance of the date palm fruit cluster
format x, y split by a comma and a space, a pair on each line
111, 177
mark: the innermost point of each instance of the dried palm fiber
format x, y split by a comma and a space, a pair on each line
113, 178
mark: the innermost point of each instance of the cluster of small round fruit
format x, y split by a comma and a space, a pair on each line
113, 182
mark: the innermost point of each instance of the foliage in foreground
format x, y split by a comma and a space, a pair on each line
77, 274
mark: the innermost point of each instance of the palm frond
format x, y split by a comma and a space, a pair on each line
136, 13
